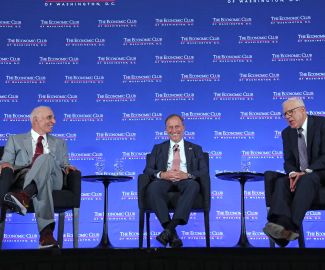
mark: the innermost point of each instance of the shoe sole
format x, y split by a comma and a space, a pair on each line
276, 231
14, 204
176, 244
268, 234
48, 246
293, 236
275, 240
161, 241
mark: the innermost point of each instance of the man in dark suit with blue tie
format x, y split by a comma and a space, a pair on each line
175, 163
304, 164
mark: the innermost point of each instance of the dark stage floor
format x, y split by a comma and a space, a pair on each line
164, 259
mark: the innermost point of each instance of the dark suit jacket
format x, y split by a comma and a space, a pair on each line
157, 162
315, 146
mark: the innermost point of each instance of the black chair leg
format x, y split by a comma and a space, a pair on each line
2, 224
301, 239
61, 229
272, 244
141, 227
148, 228
207, 228
75, 216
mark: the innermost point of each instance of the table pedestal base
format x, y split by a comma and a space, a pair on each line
106, 180
243, 242
104, 242
242, 178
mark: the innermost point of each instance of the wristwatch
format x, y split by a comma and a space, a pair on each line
190, 176
308, 171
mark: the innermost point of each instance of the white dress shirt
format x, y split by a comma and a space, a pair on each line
35, 136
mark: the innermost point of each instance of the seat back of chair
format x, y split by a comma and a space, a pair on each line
1, 151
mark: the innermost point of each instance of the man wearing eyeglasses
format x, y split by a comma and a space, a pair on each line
304, 164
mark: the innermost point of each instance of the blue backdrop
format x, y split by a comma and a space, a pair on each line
113, 70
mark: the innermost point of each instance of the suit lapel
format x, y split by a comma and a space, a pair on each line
188, 154
164, 153
28, 145
293, 137
310, 135
51, 143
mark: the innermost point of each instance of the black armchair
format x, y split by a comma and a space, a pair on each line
66, 199
269, 183
201, 204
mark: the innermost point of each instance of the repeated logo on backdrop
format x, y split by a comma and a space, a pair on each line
114, 70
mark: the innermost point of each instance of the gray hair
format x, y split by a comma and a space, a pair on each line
297, 100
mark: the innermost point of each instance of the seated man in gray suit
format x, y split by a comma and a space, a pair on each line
39, 161
175, 163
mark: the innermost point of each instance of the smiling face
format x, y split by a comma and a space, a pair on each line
295, 113
43, 120
175, 129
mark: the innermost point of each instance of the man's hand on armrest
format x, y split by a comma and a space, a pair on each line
70, 168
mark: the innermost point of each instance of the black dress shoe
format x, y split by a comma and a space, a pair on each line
175, 241
164, 237
281, 242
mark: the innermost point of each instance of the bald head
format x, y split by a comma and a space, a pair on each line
42, 119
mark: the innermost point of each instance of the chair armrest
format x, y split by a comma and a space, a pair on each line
6, 180
74, 185
205, 185
143, 182
269, 182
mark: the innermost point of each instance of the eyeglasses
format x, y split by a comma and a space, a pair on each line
289, 113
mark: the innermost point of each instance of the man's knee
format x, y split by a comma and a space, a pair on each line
156, 184
282, 183
44, 158
308, 180
192, 185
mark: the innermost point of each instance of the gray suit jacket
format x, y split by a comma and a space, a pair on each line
19, 152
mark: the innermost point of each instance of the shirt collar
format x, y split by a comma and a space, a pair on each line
180, 143
35, 136
304, 125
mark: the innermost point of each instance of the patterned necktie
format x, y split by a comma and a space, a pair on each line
176, 158
39, 150
303, 159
